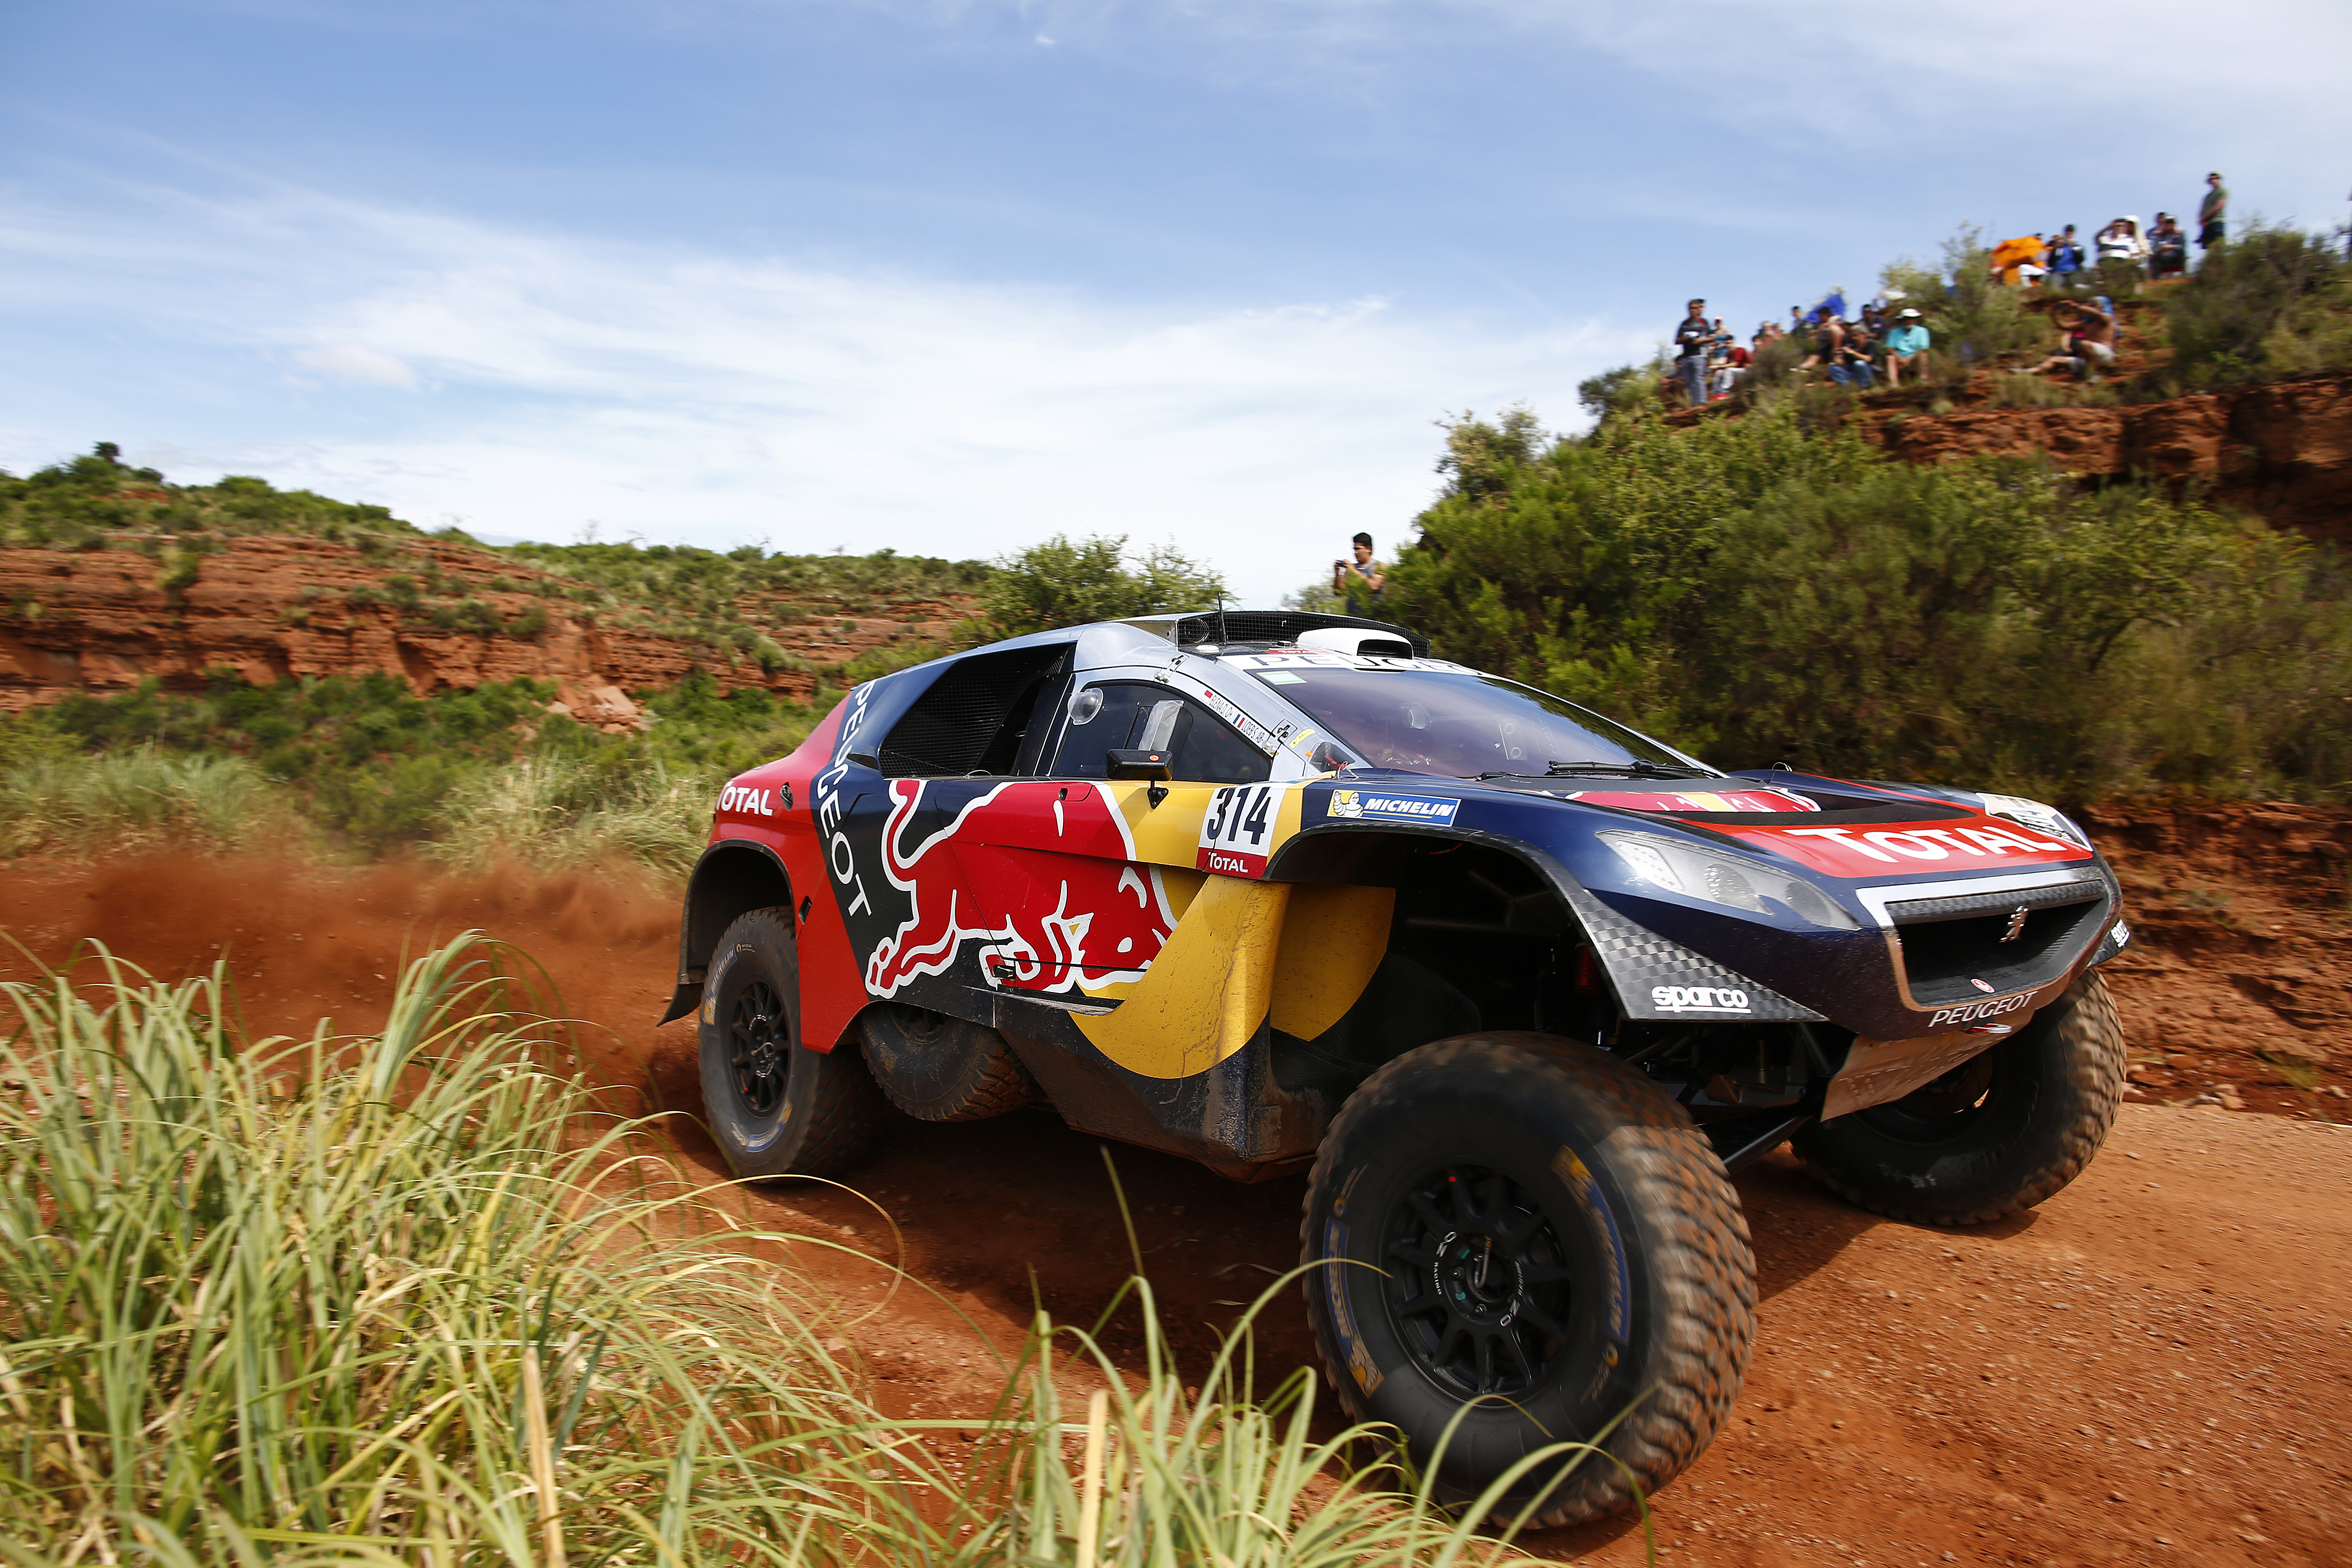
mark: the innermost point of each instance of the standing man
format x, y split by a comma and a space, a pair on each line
1692, 340
1367, 570
2213, 213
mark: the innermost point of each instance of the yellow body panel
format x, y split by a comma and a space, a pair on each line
1207, 992
1333, 937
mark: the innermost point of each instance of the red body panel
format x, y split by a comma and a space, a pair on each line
751, 811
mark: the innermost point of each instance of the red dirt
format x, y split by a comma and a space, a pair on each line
2154, 1366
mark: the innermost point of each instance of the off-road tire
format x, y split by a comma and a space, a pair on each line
938, 1069
1657, 1285
2035, 1114
793, 1112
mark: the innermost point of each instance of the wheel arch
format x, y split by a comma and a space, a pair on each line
732, 878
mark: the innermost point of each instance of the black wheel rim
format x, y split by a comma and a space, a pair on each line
1942, 1108
759, 1041
1478, 1283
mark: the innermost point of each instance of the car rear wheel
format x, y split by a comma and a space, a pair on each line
1999, 1133
775, 1106
1524, 1233
938, 1069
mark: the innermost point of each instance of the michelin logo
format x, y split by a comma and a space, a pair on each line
1698, 999
1393, 807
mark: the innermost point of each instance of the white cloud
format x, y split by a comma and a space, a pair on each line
719, 399
350, 362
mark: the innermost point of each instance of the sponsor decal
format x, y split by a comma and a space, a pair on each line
1236, 831
1375, 806
1045, 922
840, 855
1686, 802
1984, 986
1976, 1011
1853, 851
1570, 1168
1326, 659
1698, 999
2120, 935
1367, 1374
745, 801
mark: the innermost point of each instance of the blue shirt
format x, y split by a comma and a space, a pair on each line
1907, 340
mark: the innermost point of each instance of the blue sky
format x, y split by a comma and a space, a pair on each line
949, 276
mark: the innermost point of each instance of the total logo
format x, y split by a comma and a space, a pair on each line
1975, 1012
747, 800
1698, 999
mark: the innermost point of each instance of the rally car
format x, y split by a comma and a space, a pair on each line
1520, 984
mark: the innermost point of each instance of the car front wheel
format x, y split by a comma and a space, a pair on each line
1525, 1242
1999, 1133
775, 1106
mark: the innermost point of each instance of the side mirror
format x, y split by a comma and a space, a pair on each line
1123, 764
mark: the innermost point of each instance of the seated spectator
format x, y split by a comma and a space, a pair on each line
1905, 343
2066, 260
2086, 339
2168, 248
2119, 242
1732, 369
1833, 351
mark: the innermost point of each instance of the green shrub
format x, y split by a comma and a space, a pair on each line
1062, 584
2271, 302
141, 797
1759, 594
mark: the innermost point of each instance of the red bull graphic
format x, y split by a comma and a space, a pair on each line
1040, 874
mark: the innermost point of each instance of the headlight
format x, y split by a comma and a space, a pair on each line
2034, 814
1719, 879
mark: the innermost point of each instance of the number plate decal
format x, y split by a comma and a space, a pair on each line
1237, 833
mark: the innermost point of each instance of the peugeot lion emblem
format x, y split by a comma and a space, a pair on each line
2016, 923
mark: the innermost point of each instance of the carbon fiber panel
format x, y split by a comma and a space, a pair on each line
1657, 978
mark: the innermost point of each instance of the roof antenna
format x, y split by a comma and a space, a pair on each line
1221, 639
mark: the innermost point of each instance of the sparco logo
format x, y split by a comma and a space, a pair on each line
1974, 1011
1698, 999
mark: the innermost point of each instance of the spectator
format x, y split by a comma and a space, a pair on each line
2168, 248
1369, 575
2213, 213
2066, 260
2086, 339
1834, 352
1692, 340
1732, 369
1905, 343
2017, 261
2120, 242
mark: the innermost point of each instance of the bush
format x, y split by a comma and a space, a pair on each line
1762, 595
140, 797
1062, 584
2271, 302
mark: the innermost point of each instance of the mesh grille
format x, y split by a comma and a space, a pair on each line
969, 720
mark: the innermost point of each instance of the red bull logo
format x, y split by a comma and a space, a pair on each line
1040, 875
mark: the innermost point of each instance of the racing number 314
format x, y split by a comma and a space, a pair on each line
1234, 834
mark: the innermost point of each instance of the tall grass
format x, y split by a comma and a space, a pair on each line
556, 810
405, 1299
137, 798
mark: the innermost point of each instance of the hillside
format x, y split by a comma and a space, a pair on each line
112, 576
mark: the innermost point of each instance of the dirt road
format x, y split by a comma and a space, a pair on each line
2156, 1366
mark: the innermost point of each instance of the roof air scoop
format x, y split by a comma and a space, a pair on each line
1352, 640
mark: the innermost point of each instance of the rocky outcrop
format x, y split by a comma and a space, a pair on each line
267, 608
2281, 449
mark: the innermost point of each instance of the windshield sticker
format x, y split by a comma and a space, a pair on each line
1257, 734
1282, 677
1364, 802
1684, 802
1324, 659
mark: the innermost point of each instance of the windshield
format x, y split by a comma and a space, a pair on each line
1462, 723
